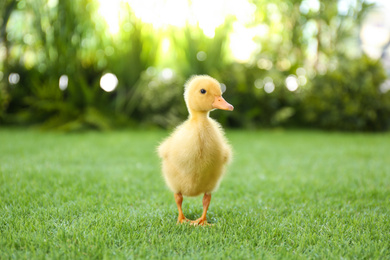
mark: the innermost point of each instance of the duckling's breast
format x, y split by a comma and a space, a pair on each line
196, 164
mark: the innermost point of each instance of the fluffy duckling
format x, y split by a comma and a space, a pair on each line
195, 154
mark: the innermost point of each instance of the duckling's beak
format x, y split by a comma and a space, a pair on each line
220, 103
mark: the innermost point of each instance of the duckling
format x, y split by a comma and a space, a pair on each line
194, 156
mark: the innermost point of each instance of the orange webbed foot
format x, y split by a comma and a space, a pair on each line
200, 222
182, 220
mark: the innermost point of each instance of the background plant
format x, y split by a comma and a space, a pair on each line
315, 48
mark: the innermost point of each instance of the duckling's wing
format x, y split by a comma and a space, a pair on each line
227, 149
165, 148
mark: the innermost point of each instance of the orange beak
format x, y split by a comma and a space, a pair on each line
220, 103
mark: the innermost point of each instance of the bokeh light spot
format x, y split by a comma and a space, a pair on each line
63, 82
108, 82
264, 64
269, 87
165, 45
292, 83
223, 87
302, 80
385, 86
13, 78
201, 56
259, 83
167, 74
301, 72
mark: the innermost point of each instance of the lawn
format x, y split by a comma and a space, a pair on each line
287, 194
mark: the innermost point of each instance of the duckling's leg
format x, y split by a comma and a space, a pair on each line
202, 220
179, 201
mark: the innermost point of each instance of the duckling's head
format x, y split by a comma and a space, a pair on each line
203, 93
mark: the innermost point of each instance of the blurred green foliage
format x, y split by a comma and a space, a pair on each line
348, 98
43, 40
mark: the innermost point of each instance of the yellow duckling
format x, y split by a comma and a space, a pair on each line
195, 154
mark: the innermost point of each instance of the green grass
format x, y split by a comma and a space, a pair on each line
287, 194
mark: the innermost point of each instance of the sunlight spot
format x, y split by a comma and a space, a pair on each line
283, 65
13, 78
109, 9
223, 88
268, 79
292, 83
241, 42
385, 86
301, 72
269, 87
52, 3
374, 35
208, 31
28, 39
344, 6
108, 82
165, 45
209, 14
309, 5
206, 14
302, 80
264, 64
262, 30
151, 71
201, 56
161, 13
167, 74
63, 82
258, 83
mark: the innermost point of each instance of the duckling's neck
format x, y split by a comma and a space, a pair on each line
198, 116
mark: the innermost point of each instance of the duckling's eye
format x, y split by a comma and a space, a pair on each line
203, 91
